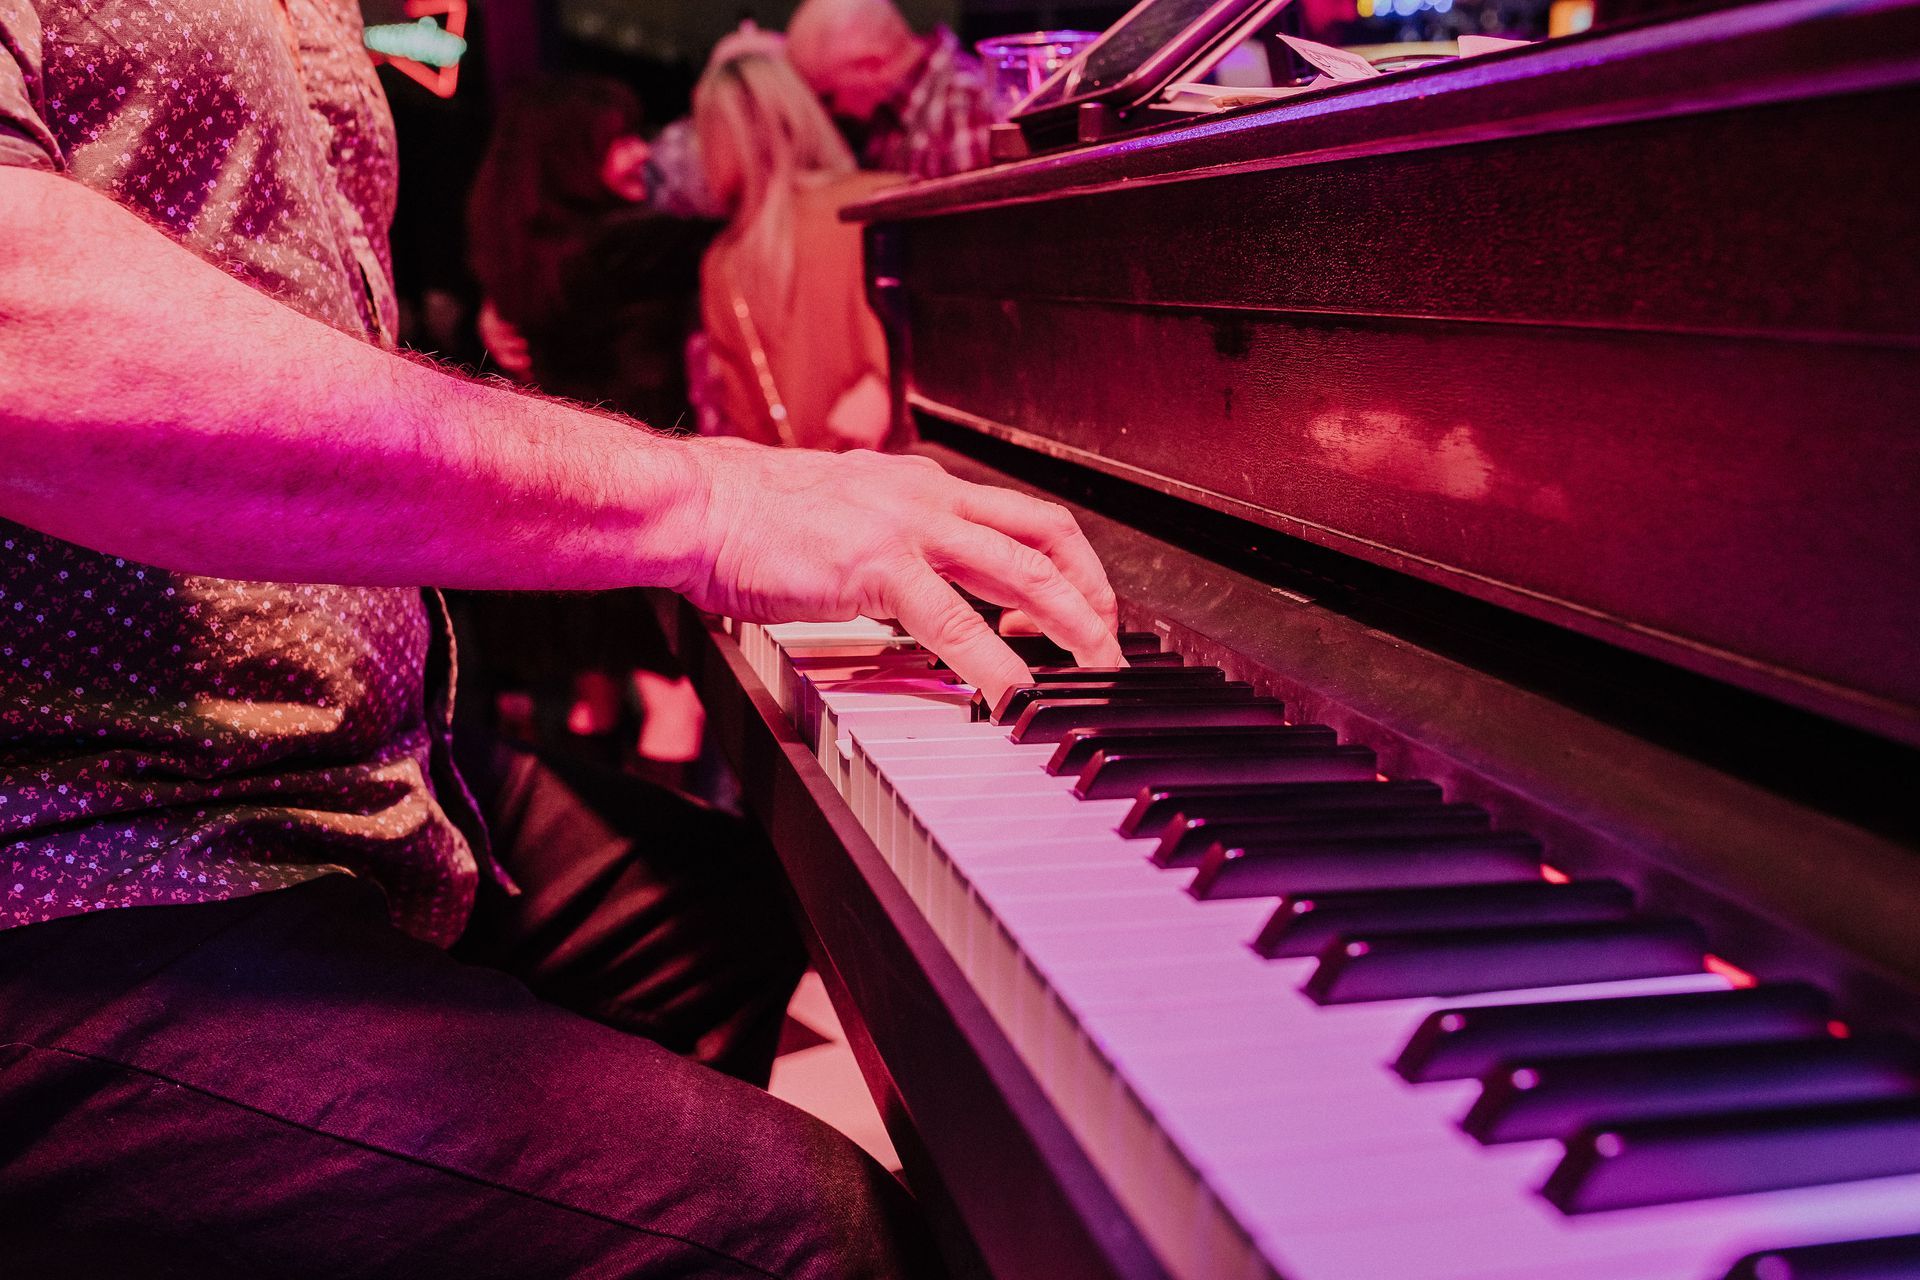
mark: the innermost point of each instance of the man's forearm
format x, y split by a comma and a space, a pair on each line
155, 408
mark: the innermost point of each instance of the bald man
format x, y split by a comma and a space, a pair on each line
921, 103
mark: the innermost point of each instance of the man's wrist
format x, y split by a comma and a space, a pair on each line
611, 502
683, 531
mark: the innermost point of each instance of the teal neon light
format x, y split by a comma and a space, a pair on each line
425, 41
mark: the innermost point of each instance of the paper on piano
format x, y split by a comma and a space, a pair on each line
1473, 46
1189, 96
1336, 64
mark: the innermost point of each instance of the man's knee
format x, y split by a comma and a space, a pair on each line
820, 1207
465, 1130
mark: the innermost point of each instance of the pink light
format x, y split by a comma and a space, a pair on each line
441, 81
1732, 973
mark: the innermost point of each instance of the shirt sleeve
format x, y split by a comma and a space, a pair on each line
25, 138
680, 189
971, 139
953, 136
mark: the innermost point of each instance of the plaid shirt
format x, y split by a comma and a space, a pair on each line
939, 125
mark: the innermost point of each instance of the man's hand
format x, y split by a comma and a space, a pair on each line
791, 535
159, 410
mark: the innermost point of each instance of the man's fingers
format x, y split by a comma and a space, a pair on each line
1050, 529
995, 567
934, 614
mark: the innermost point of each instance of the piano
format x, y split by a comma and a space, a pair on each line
1498, 861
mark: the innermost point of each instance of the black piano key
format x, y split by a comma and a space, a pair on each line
1135, 662
985, 608
1110, 776
1185, 840
1372, 862
1305, 924
1166, 689
1130, 641
1557, 1097
1078, 746
1887, 1258
1162, 658
1049, 721
1151, 674
1624, 1166
1454, 962
1458, 1044
1158, 806
1111, 681
1095, 682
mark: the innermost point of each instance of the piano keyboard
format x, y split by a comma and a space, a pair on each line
1311, 1023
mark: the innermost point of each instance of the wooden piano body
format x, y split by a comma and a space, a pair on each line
1548, 422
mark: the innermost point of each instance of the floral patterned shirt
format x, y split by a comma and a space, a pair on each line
170, 738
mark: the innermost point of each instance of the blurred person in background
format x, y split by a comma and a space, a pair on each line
918, 105
593, 295
798, 356
590, 292
678, 178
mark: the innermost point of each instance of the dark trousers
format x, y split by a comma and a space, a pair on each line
287, 1086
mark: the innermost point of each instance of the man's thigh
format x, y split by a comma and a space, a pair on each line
638, 907
286, 1086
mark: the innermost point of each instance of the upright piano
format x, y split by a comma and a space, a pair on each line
1499, 861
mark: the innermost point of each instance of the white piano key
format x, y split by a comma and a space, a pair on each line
943, 754
801, 635
851, 706
801, 679
1244, 1127
993, 795
842, 712
894, 684
1047, 823
938, 809
1534, 1239
859, 660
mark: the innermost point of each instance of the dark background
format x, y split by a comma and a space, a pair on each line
656, 46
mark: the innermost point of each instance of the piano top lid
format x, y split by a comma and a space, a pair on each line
1658, 389
1775, 51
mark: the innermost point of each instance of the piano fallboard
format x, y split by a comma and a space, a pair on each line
1616, 331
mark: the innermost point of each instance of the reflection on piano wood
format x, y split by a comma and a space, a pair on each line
1437, 1058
